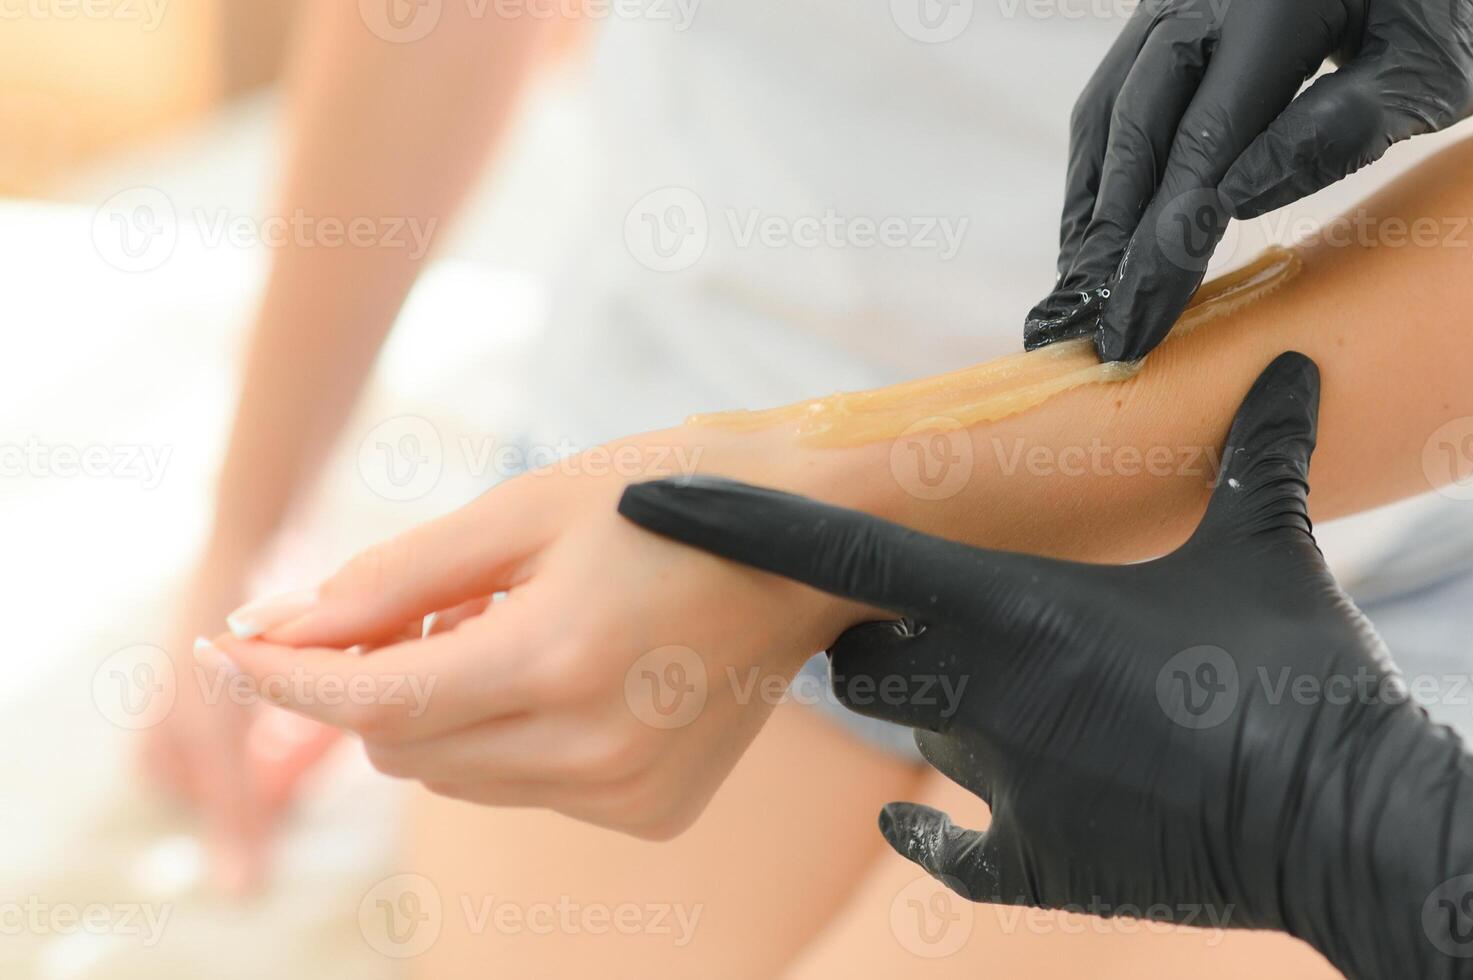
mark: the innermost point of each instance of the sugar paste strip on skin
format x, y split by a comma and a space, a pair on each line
1000, 388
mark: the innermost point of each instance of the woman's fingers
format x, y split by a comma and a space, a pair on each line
282, 749
630, 807
573, 745
229, 804
404, 691
472, 552
447, 619
163, 766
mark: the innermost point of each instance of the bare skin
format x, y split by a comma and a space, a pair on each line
1375, 326
553, 728
376, 129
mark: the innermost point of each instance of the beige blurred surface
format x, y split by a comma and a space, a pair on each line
79, 77
105, 347
104, 358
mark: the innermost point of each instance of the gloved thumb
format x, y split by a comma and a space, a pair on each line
1263, 482
1338, 125
980, 866
843, 552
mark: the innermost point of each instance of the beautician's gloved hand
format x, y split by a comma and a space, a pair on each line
1149, 736
1192, 118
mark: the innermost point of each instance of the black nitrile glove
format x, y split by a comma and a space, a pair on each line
1216, 732
1192, 118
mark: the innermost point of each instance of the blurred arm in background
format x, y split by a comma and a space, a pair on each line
380, 130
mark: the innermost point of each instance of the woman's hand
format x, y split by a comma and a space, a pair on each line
235, 766
618, 679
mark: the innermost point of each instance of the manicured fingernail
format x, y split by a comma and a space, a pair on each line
260, 615
211, 657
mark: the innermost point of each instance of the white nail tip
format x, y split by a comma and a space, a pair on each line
260, 615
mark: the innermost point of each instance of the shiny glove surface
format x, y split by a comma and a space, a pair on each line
1216, 732
1192, 118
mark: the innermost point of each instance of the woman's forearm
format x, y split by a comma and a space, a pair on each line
390, 137
1118, 472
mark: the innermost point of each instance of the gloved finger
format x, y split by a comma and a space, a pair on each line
1256, 69
842, 552
980, 866
1337, 126
1264, 481
971, 764
897, 672
1089, 131
1147, 110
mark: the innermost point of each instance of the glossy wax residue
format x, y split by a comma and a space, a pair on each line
1000, 388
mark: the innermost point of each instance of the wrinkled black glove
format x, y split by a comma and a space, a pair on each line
1216, 731
1185, 124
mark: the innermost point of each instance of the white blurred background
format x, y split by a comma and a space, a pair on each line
117, 378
